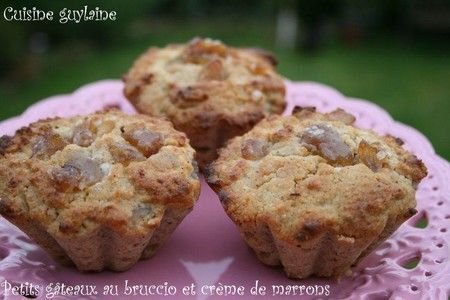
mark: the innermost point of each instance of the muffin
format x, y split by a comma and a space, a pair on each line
208, 90
99, 191
314, 194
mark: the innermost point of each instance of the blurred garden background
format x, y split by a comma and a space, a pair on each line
395, 53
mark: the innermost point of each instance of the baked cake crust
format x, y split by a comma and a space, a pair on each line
99, 191
208, 90
314, 194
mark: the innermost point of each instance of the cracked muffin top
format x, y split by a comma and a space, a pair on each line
106, 168
194, 83
310, 172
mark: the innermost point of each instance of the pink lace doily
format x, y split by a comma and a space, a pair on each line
206, 249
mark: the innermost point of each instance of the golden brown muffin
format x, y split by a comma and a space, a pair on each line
100, 191
208, 90
314, 194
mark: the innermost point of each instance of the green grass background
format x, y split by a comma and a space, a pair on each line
409, 80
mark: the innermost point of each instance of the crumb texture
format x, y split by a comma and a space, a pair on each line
210, 91
98, 191
314, 194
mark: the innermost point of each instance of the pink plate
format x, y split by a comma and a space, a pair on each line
206, 248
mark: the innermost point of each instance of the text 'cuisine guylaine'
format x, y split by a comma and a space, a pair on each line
65, 15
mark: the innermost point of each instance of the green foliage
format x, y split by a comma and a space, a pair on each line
408, 79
